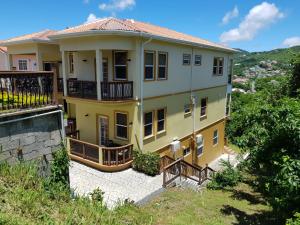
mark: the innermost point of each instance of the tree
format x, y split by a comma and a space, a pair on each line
295, 79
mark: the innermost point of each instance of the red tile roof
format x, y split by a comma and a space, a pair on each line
38, 36
114, 24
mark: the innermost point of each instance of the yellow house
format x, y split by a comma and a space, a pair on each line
132, 85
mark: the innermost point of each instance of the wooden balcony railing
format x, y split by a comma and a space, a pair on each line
82, 89
84, 150
117, 155
116, 90
25, 89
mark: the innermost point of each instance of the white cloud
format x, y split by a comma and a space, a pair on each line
86, 1
258, 18
230, 15
292, 41
91, 18
117, 5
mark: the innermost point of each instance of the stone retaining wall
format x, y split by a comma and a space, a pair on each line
30, 139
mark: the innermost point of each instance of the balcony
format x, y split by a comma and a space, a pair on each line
110, 91
108, 159
25, 89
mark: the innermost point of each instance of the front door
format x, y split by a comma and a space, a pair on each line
103, 130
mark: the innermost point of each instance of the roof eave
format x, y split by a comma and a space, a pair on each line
137, 34
27, 41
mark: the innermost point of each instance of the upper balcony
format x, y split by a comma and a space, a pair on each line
99, 75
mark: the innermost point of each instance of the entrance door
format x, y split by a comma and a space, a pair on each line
103, 130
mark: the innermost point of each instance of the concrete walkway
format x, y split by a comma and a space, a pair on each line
118, 186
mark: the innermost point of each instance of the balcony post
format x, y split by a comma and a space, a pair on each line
99, 72
64, 70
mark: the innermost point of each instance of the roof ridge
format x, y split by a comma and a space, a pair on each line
34, 33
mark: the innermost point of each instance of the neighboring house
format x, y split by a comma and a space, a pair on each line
35, 52
3, 58
132, 85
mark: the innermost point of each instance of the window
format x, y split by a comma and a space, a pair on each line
215, 137
161, 117
218, 66
187, 108
22, 64
186, 151
162, 66
120, 65
149, 65
203, 107
200, 147
186, 59
230, 68
198, 59
148, 124
121, 125
71, 63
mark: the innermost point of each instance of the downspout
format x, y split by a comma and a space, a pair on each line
142, 91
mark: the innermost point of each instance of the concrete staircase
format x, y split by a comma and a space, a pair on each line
229, 151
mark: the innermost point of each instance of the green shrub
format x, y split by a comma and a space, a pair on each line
295, 220
227, 178
147, 163
97, 196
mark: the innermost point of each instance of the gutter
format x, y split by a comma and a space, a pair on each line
142, 91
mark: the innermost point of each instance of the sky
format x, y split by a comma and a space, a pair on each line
251, 25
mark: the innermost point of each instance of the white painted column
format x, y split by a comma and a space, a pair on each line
39, 61
64, 70
9, 62
99, 72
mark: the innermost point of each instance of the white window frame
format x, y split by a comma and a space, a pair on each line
186, 57
219, 59
198, 60
151, 66
163, 66
21, 62
215, 137
115, 65
200, 146
148, 124
164, 119
121, 125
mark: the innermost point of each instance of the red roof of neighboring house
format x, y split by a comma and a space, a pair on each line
3, 49
127, 25
38, 36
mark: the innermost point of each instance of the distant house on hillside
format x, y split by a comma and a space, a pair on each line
3, 58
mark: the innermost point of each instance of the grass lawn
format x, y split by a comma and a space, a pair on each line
23, 200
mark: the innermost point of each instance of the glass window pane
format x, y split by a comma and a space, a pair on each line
121, 72
149, 73
122, 131
215, 62
160, 125
148, 130
149, 58
162, 59
162, 72
199, 150
148, 118
120, 58
160, 114
122, 119
203, 102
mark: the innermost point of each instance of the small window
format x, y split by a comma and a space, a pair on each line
218, 66
186, 151
22, 64
187, 108
121, 125
148, 124
162, 66
203, 107
120, 65
161, 120
71, 63
198, 59
200, 147
216, 137
186, 59
230, 68
149, 65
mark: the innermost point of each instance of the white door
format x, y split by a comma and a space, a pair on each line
103, 130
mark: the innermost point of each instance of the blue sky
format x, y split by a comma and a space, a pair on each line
251, 25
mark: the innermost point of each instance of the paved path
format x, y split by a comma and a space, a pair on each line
118, 186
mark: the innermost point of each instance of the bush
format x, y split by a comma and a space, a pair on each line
147, 163
97, 196
294, 221
227, 178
